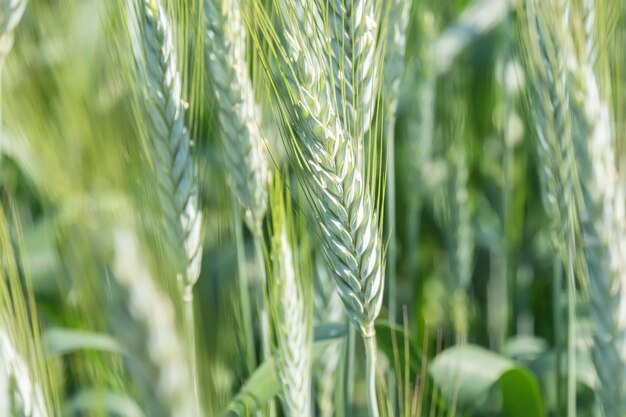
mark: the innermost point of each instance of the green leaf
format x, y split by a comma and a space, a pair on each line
60, 341
468, 374
263, 384
96, 400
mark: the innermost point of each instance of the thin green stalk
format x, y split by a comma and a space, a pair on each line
390, 217
348, 371
370, 374
571, 332
557, 317
190, 340
263, 314
244, 296
392, 256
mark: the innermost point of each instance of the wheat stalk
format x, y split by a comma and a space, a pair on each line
11, 12
291, 314
241, 137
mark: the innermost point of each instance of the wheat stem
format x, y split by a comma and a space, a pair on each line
244, 297
370, 375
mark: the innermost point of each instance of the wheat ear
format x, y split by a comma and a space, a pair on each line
11, 12
603, 225
291, 314
169, 144
16, 383
351, 239
242, 141
24, 380
164, 349
456, 211
241, 137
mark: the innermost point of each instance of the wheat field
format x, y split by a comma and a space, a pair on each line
316, 208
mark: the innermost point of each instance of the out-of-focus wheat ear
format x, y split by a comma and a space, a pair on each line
327, 308
602, 217
11, 12
169, 144
547, 49
393, 70
170, 150
421, 75
241, 137
291, 311
153, 311
26, 385
456, 208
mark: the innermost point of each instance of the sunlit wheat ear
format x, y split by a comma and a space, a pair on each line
327, 308
153, 311
169, 144
291, 315
11, 12
329, 170
602, 218
242, 141
349, 226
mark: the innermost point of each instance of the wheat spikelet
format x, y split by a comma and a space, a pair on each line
11, 12
291, 314
602, 218
241, 137
353, 54
169, 145
327, 308
162, 342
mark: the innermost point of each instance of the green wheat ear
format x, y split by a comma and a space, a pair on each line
11, 12
291, 310
244, 150
27, 384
